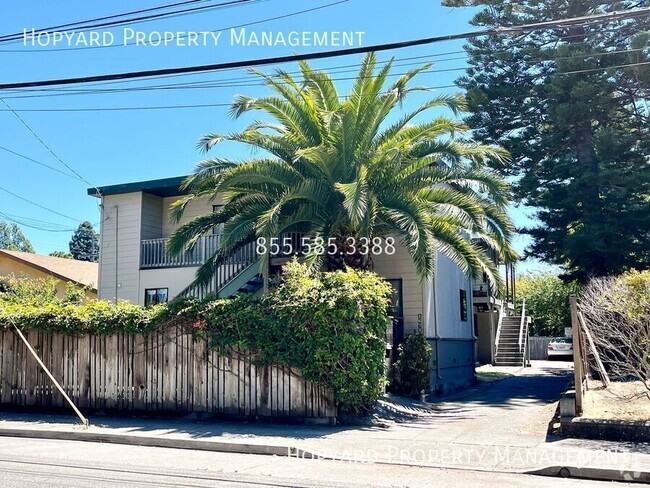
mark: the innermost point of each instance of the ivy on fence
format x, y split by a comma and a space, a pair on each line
331, 326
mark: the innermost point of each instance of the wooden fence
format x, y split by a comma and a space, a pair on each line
539, 347
166, 372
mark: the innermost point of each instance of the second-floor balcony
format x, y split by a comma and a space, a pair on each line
153, 253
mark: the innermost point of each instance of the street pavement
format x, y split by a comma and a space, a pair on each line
38, 463
499, 427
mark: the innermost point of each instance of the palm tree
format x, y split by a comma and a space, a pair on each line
333, 167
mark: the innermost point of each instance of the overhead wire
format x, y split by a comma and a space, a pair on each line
223, 29
226, 104
114, 16
148, 18
27, 200
556, 24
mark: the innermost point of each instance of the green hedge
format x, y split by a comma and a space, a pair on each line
329, 325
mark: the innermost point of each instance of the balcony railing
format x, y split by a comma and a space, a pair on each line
153, 253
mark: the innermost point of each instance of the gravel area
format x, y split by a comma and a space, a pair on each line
620, 401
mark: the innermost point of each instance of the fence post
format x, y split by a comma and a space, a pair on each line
577, 354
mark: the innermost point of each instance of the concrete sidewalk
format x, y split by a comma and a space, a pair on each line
497, 427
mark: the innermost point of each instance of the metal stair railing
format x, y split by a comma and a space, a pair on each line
499, 325
521, 328
237, 263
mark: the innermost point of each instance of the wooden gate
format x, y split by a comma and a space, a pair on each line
166, 372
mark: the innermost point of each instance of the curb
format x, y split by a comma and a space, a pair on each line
598, 474
197, 445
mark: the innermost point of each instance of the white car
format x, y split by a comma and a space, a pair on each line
560, 346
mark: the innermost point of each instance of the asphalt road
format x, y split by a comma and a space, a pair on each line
26, 463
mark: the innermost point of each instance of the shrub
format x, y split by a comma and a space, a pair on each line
25, 289
547, 301
332, 326
617, 312
413, 368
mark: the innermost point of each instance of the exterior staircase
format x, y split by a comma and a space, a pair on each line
512, 341
238, 274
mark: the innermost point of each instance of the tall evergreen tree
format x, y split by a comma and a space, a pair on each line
84, 245
570, 104
13, 239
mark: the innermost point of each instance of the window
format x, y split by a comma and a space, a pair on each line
154, 296
463, 305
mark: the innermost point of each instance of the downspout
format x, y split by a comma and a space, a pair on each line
100, 252
472, 325
491, 311
436, 329
117, 235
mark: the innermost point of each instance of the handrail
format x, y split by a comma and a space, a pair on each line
231, 268
523, 321
500, 321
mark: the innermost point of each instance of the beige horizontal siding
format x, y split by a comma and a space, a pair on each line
152, 216
196, 208
120, 247
400, 266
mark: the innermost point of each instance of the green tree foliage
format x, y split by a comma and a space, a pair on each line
335, 167
547, 302
413, 368
13, 239
570, 104
84, 245
61, 254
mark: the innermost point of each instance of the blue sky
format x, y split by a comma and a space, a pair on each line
108, 147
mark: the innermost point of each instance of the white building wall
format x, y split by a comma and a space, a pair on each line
174, 279
449, 280
120, 247
400, 266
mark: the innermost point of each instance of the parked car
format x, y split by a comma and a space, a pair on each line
560, 346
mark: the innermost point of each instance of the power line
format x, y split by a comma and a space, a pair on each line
147, 18
39, 162
236, 83
114, 16
39, 206
223, 29
435, 55
34, 224
214, 105
51, 151
563, 23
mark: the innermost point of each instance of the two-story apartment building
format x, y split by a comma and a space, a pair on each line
134, 266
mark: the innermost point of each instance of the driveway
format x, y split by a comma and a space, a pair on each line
515, 411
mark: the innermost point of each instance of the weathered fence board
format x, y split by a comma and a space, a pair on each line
539, 347
164, 372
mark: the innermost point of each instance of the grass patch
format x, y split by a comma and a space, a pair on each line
492, 376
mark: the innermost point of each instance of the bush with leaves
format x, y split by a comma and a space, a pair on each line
25, 289
413, 368
547, 302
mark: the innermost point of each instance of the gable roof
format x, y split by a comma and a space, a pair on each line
82, 272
